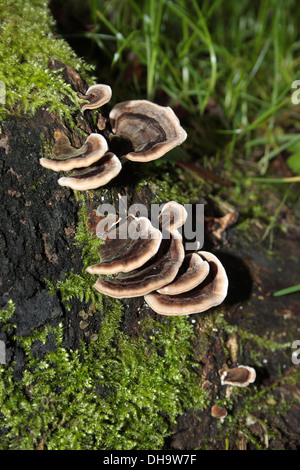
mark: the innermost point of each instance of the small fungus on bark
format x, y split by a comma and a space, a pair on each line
97, 96
218, 412
96, 175
69, 158
240, 376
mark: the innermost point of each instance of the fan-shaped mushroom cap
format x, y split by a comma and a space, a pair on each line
218, 412
240, 376
173, 216
125, 255
210, 293
191, 273
161, 269
94, 176
152, 130
97, 95
91, 151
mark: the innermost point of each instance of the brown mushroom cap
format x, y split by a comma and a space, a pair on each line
94, 176
218, 412
97, 95
161, 269
210, 293
240, 376
91, 151
125, 255
173, 216
152, 130
191, 273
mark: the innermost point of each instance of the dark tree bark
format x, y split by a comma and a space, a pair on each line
38, 217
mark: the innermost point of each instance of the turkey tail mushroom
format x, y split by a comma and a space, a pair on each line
95, 175
97, 96
151, 129
210, 291
162, 268
171, 282
144, 131
70, 158
125, 255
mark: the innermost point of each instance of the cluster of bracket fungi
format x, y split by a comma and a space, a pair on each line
145, 131
152, 265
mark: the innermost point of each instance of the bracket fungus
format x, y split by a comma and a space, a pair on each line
97, 96
210, 291
143, 131
94, 176
218, 412
240, 376
171, 281
68, 158
151, 129
193, 270
160, 269
125, 255
91, 165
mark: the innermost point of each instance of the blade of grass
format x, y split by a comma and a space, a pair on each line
277, 212
288, 290
268, 156
152, 30
264, 162
263, 117
290, 179
206, 38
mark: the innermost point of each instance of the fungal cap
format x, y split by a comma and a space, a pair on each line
160, 270
152, 129
173, 216
240, 376
97, 96
91, 151
191, 273
209, 293
218, 412
125, 255
94, 176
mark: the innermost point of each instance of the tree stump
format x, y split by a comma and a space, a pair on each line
254, 328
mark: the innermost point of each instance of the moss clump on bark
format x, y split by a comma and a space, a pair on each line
28, 51
118, 392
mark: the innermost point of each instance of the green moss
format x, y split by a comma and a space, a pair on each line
120, 396
169, 183
118, 392
27, 48
5, 316
257, 345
